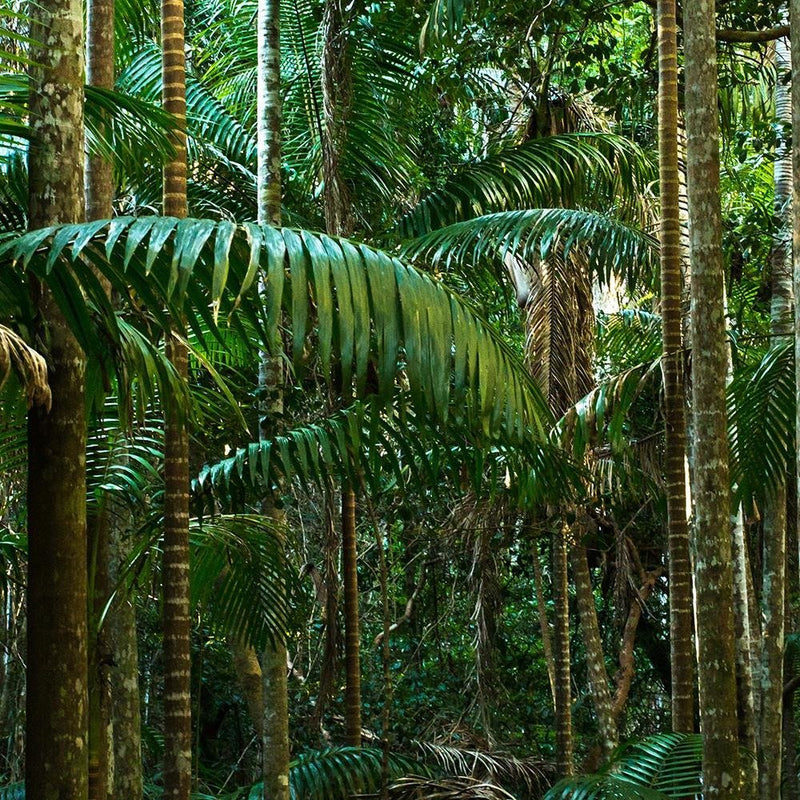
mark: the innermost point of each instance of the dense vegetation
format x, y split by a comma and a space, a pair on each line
398, 399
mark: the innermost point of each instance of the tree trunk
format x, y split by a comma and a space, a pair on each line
100, 73
561, 654
774, 527
268, 145
337, 100
352, 640
329, 599
177, 622
598, 675
680, 584
57, 693
541, 611
99, 182
794, 22
745, 652
251, 679
711, 489
125, 699
790, 787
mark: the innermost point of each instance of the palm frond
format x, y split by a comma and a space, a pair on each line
528, 775
626, 338
238, 577
119, 127
336, 773
588, 170
29, 366
660, 767
444, 20
351, 302
609, 245
761, 419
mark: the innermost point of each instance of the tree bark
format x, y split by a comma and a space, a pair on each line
177, 622
774, 528
794, 21
99, 183
352, 645
563, 706
544, 623
598, 675
268, 145
57, 694
125, 699
711, 489
746, 654
680, 584
337, 99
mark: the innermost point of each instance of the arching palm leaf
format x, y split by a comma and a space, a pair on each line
578, 169
761, 411
610, 246
352, 303
660, 767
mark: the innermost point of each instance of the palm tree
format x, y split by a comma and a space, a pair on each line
680, 585
56, 695
774, 548
710, 489
177, 622
275, 733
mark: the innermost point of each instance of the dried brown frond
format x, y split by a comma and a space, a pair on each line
462, 788
29, 365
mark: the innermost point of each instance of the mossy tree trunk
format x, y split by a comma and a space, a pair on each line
711, 488
774, 528
57, 695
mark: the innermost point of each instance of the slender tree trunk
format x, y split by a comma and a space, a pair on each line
790, 787
561, 654
337, 99
745, 653
99, 181
598, 675
177, 622
714, 579
794, 22
680, 584
276, 701
251, 679
483, 579
57, 694
541, 611
125, 698
774, 553
99, 658
100, 73
330, 611
352, 647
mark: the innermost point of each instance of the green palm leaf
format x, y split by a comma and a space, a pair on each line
761, 418
610, 246
589, 170
344, 300
238, 577
660, 767
336, 773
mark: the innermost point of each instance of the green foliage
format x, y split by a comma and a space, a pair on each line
576, 169
360, 306
660, 767
335, 773
761, 411
611, 246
